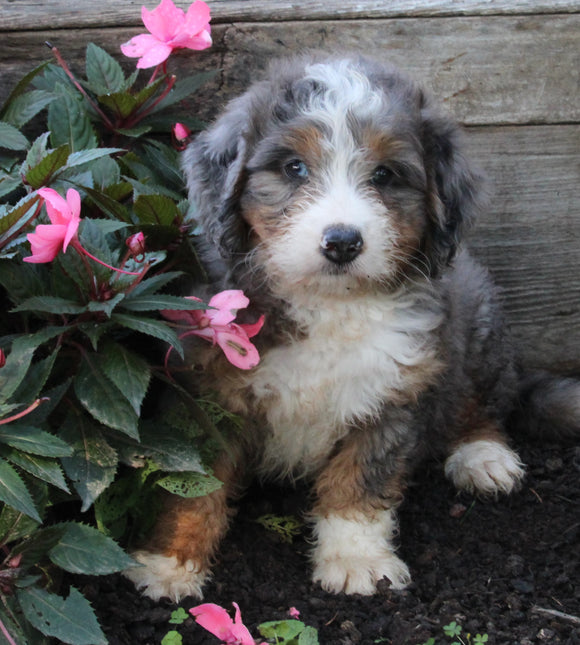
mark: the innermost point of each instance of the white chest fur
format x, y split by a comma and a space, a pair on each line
354, 356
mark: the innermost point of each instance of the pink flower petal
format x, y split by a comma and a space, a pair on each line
46, 242
56, 206
226, 305
239, 351
155, 56
198, 42
164, 21
252, 329
197, 17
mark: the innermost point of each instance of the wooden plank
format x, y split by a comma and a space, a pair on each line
497, 70
530, 235
36, 14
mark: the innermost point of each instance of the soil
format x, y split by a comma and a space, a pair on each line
508, 568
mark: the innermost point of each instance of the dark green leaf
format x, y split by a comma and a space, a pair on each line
43, 468
154, 283
26, 106
15, 630
183, 88
155, 328
17, 364
156, 209
93, 464
108, 205
122, 105
15, 525
190, 484
14, 492
86, 156
83, 549
11, 138
103, 72
37, 152
69, 122
8, 184
103, 399
41, 174
71, 620
128, 371
155, 302
18, 217
33, 440
106, 306
22, 86
50, 305
35, 379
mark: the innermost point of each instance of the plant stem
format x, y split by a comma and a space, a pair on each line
141, 115
60, 60
28, 410
80, 249
6, 634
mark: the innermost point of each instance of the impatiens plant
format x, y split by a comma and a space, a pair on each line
95, 247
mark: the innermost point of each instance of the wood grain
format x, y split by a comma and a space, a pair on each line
36, 14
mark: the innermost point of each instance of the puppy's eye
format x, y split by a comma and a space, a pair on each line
296, 169
383, 176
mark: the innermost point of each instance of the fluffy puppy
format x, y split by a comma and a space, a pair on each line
336, 195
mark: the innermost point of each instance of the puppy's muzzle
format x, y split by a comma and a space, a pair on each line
341, 244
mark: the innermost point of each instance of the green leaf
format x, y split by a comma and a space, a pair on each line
17, 635
50, 305
156, 209
86, 156
172, 638
8, 183
35, 379
103, 72
108, 205
160, 302
41, 174
33, 440
26, 106
308, 637
106, 306
18, 217
178, 617
128, 371
281, 629
93, 464
103, 399
71, 620
43, 468
83, 549
183, 88
11, 138
15, 525
15, 368
154, 328
154, 283
69, 122
22, 86
190, 484
121, 104
14, 492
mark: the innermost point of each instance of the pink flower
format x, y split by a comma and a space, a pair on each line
217, 621
49, 239
169, 28
294, 613
217, 325
2, 358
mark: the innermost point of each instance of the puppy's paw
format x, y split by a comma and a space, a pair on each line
485, 466
353, 555
162, 576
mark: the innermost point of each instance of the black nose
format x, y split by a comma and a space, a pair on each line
341, 244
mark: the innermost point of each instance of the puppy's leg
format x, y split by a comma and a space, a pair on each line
354, 527
481, 461
176, 560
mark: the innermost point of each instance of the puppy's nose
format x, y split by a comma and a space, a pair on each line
341, 244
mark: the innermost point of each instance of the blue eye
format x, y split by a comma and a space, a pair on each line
296, 169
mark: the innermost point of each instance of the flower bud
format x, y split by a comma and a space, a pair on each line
136, 245
2, 358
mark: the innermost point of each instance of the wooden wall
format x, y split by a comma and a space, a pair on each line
507, 69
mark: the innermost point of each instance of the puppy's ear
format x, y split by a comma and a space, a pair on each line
455, 188
214, 167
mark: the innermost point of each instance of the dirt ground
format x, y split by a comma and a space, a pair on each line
507, 568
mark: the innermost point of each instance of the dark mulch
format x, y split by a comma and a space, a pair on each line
498, 568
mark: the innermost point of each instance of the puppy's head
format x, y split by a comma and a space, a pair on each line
331, 177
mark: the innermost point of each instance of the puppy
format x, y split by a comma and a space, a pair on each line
336, 195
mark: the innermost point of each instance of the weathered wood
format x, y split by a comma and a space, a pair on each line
508, 70
69, 14
529, 236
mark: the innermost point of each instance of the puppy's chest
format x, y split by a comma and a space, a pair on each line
352, 360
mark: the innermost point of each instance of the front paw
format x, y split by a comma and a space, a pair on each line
353, 555
162, 576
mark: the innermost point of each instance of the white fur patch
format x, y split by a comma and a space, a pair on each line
341, 372
484, 466
162, 577
352, 555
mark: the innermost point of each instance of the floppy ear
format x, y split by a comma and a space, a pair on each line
455, 188
214, 165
